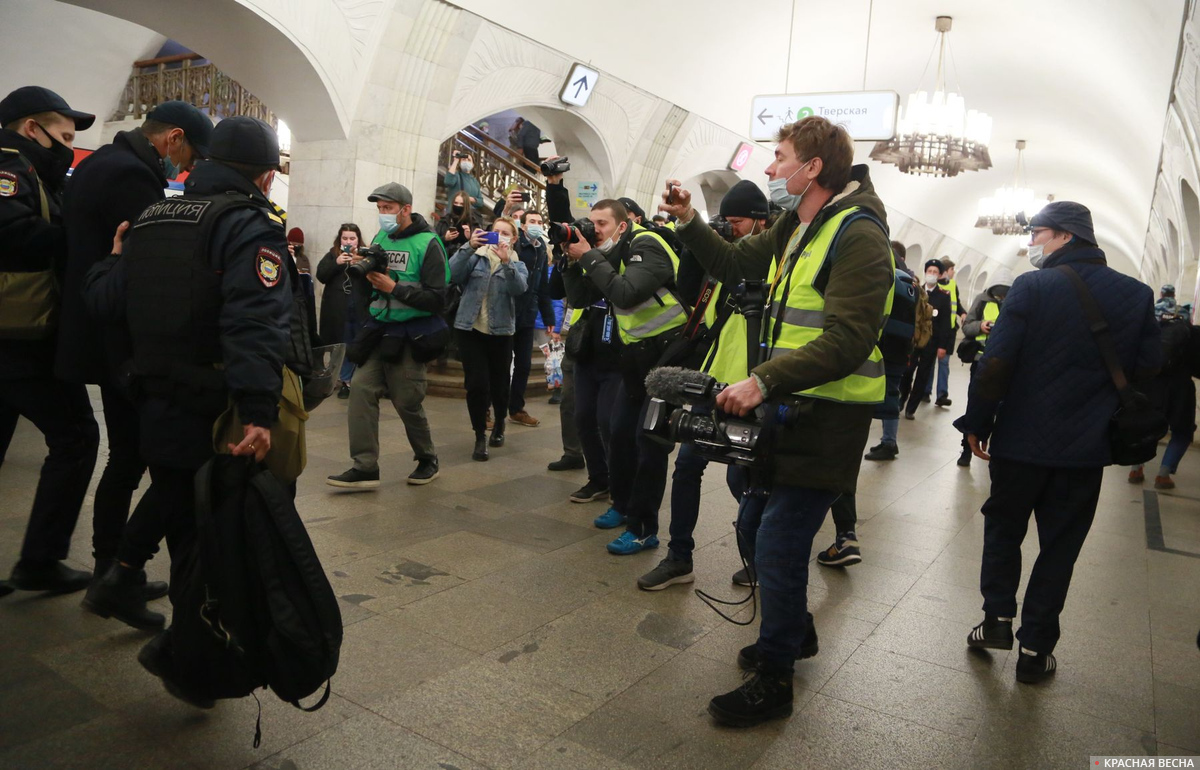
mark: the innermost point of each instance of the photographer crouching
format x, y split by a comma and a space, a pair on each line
829, 273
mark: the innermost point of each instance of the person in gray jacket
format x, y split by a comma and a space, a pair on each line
492, 277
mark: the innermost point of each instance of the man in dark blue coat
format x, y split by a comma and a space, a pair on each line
115, 184
1039, 409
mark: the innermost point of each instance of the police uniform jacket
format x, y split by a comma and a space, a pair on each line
112, 185
27, 241
248, 251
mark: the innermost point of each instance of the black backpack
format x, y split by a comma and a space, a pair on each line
1176, 343
253, 607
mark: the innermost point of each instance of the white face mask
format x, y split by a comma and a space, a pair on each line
505, 240
931, 280
467, 166
608, 245
1037, 256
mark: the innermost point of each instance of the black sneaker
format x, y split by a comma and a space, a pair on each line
992, 633
964, 458
120, 593
669, 572
427, 471
744, 577
762, 697
748, 656
943, 401
355, 479
52, 576
567, 463
589, 493
842, 553
1034, 667
885, 451
925, 399
344, 391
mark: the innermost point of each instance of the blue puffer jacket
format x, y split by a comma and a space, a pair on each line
1042, 392
472, 271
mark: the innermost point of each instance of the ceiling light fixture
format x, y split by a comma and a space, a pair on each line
938, 135
998, 213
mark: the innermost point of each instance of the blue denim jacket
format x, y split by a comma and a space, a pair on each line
471, 271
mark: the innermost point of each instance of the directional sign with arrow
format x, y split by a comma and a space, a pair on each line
867, 115
580, 83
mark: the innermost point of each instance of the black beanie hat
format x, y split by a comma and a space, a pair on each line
745, 199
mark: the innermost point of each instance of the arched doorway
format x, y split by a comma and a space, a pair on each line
708, 188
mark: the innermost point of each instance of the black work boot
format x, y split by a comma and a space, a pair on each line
748, 657
481, 448
497, 435
120, 593
151, 589
155, 657
964, 459
765, 695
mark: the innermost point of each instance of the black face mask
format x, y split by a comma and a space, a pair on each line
456, 209
62, 156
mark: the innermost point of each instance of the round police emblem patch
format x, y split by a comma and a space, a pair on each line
8, 184
270, 266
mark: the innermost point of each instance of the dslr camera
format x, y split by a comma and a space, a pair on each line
581, 229
722, 227
715, 435
374, 260
556, 166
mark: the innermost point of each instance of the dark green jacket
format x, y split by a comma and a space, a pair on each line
825, 447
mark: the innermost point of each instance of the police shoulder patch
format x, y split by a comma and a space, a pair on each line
8, 184
269, 265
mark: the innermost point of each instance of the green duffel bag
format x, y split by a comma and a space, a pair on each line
28, 305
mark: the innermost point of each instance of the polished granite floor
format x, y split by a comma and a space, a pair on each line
486, 627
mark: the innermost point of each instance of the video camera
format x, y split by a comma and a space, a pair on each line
715, 435
556, 166
374, 260
581, 229
723, 227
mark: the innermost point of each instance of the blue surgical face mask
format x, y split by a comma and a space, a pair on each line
387, 223
169, 167
779, 192
534, 231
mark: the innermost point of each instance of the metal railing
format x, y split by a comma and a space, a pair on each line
190, 78
498, 167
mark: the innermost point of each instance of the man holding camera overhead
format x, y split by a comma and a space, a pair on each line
406, 272
829, 274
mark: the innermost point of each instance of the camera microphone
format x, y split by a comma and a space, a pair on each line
677, 385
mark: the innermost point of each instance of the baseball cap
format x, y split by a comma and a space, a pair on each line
392, 191
245, 140
30, 100
196, 126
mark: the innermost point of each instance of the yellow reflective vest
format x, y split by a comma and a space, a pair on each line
658, 314
991, 311
952, 287
727, 360
797, 317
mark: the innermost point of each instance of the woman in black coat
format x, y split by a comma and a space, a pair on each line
337, 311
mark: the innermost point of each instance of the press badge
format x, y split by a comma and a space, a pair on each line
606, 333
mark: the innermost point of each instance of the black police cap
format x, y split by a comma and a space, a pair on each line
196, 127
245, 140
30, 100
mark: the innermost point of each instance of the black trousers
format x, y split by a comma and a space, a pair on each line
63, 413
637, 466
522, 342
916, 377
845, 514
134, 541
8, 426
1063, 500
486, 359
595, 400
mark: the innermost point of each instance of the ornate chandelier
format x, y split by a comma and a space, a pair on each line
999, 212
938, 135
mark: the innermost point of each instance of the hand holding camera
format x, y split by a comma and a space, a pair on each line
554, 168
371, 261
677, 201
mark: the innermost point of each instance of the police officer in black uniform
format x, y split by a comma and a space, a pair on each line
205, 288
38, 130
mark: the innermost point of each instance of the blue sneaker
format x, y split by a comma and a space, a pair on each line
610, 519
629, 543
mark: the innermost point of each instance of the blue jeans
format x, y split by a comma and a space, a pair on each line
347, 365
1174, 452
890, 430
776, 529
943, 377
685, 498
